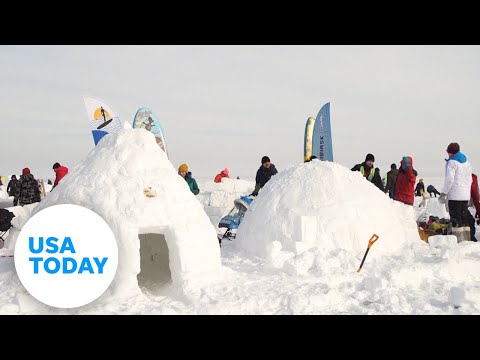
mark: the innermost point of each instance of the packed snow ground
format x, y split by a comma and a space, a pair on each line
419, 280
408, 277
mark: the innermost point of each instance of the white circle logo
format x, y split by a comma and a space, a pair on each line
66, 256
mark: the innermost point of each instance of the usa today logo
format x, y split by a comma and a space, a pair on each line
66, 256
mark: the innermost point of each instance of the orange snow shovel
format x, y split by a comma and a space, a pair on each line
370, 243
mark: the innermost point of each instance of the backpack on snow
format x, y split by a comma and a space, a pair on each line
5, 220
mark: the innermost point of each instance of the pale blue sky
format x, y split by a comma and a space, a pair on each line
230, 105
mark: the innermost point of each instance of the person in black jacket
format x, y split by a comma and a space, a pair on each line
264, 173
420, 188
391, 177
369, 172
12, 189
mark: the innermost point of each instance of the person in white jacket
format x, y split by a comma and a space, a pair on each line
457, 185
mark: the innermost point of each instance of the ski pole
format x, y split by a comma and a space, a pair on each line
370, 243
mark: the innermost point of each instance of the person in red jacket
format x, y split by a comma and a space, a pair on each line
60, 172
474, 201
222, 174
405, 183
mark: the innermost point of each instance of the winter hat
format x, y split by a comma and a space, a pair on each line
26, 171
393, 166
225, 171
453, 148
183, 167
56, 165
370, 157
265, 159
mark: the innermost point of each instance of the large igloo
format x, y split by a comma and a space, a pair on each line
326, 205
165, 239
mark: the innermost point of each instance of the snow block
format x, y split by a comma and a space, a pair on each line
443, 241
222, 199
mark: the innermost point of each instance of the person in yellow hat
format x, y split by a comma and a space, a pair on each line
187, 175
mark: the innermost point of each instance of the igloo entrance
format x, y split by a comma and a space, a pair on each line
154, 262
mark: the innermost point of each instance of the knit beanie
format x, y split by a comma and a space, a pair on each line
370, 157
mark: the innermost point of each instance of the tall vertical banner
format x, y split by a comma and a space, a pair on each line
322, 135
102, 119
149, 121
307, 142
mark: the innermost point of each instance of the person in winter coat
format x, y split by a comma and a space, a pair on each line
457, 186
405, 181
222, 174
264, 173
474, 201
391, 177
431, 190
12, 189
369, 172
192, 183
28, 191
420, 188
60, 172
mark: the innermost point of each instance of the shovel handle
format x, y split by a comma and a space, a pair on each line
370, 243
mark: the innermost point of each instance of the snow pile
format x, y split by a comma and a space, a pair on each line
217, 198
166, 239
324, 205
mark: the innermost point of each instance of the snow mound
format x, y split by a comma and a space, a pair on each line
326, 205
167, 238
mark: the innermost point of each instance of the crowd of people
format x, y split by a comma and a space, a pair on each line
264, 173
460, 184
27, 190
460, 189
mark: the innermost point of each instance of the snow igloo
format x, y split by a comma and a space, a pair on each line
162, 239
326, 205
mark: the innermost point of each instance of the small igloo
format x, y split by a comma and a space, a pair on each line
162, 239
326, 205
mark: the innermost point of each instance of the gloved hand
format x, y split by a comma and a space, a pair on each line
442, 199
406, 163
256, 190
